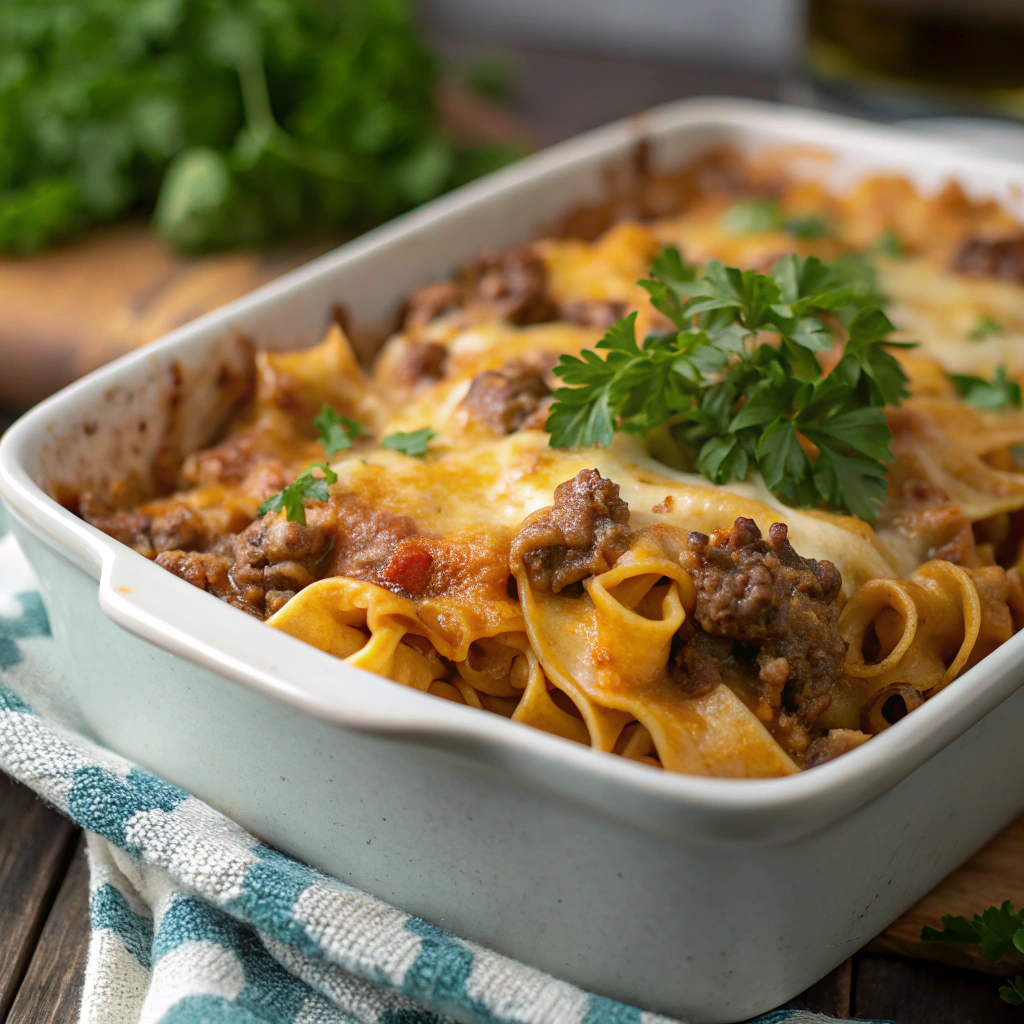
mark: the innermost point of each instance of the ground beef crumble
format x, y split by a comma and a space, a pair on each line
420, 362
1001, 258
263, 566
431, 301
506, 400
833, 744
131, 528
761, 604
582, 534
513, 285
599, 313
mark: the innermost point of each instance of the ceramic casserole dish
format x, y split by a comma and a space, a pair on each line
709, 899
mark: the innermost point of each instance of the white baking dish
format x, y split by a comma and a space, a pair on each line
710, 899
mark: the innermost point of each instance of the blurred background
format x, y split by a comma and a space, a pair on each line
161, 157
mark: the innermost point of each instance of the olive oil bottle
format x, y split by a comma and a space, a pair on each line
900, 57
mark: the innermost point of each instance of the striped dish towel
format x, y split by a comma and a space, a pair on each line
194, 920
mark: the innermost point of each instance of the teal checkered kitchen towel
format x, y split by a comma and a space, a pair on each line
194, 920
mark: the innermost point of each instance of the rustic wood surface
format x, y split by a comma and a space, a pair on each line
52, 987
69, 310
35, 846
72, 309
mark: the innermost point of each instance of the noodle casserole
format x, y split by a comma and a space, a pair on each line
475, 519
632, 454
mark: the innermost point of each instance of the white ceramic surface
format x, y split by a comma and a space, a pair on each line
706, 898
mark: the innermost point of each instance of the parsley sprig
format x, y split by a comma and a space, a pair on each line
336, 432
305, 487
985, 327
753, 216
413, 443
998, 932
739, 382
996, 394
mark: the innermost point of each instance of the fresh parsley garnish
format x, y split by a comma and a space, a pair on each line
998, 393
738, 400
808, 226
336, 432
985, 327
888, 244
305, 487
997, 932
753, 216
1014, 992
860, 274
236, 122
414, 443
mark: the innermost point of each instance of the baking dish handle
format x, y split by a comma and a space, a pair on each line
163, 609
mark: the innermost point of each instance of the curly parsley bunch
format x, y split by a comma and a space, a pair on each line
242, 122
739, 383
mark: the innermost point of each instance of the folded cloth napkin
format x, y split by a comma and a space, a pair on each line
194, 920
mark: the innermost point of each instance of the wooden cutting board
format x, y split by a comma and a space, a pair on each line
69, 310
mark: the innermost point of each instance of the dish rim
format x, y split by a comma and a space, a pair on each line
162, 609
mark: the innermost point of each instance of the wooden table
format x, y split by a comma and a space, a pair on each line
43, 873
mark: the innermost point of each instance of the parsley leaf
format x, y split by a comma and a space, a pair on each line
997, 932
1014, 992
305, 487
414, 443
808, 225
669, 284
859, 272
585, 415
752, 216
738, 400
984, 328
999, 393
336, 432
888, 244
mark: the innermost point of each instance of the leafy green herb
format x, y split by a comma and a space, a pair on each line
242, 122
736, 400
752, 216
414, 443
808, 226
860, 273
984, 328
336, 432
1014, 992
888, 244
998, 932
305, 487
999, 393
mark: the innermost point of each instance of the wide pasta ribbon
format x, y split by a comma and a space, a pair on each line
365, 625
608, 650
945, 443
924, 630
